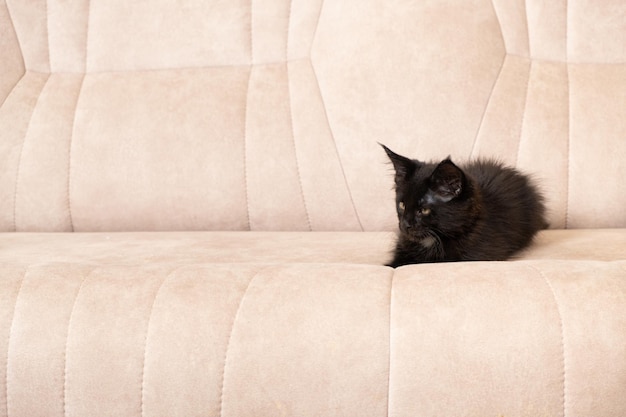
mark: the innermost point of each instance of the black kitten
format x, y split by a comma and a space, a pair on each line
483, 212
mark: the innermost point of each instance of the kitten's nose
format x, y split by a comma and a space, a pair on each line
406, 224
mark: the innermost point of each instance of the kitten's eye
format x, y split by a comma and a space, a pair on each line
424, 211
401, 206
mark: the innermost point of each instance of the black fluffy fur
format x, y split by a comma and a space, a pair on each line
480, 211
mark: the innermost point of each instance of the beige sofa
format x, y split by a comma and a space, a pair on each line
195, 211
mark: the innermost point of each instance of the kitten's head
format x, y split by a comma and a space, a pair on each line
433, 200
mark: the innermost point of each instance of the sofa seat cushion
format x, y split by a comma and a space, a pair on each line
244, 339
372, 248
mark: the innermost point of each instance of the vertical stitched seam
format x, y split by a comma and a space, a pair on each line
317, 25
16, 36
493, 87
88, 25
67, 340
13, 89
560, 314
530, 69
71, 144
568, 152
230, 335
330, 129
245, 150
288, 33
495, 12
293, 133
145, 349
69, 155
332, 136
482, 118
245, 123
46, 5
17, 295
20, 156
251, 33
527, 28
521, 128
569, 116
567, 26
315, 31
393, 273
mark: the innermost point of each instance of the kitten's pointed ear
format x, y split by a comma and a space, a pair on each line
447, 180
404, 166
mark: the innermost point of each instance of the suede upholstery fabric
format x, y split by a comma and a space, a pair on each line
194, 209
259, 116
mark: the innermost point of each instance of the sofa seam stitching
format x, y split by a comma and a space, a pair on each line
293, 132
521, 128
78, 97
568, 155
530, 68
88, 26
330, 128
562, 328
18, 82
21, 153
527, 28
567, 26
287, 37
574, 62
230, 335
67, 338
569, 116
245, 150
145, 350
17, 37
317, 25
46, 5
196, 67
17, 295
559, 61
495, 12
245, 122
332, 135
493, 87
393, 274
69, 154
251, 33
482, 118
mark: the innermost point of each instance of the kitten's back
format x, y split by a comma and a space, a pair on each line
514, 208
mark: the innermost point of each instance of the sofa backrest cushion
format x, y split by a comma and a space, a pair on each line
265, 114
